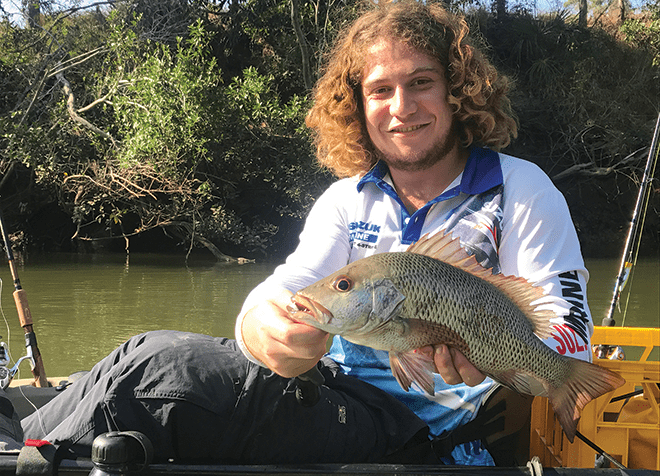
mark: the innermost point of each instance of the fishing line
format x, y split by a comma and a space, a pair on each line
633, 238
2, 311
37, 410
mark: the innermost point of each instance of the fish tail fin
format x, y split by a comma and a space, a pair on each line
586, 382
413, 367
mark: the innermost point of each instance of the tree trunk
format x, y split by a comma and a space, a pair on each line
33, 10
500, 6
304, 47
582, 16
622, 11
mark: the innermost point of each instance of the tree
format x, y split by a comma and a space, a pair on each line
582, 16
119, 118
598, 9
500, 8
32, 9
304, 47
151, 129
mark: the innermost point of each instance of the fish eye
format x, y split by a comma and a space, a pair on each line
343, 283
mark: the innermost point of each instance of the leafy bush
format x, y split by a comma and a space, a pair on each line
644, 33
188, 117
211, 163
161, 103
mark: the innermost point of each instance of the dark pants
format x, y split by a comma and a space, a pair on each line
198, 398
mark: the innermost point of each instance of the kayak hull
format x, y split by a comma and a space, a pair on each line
625, 427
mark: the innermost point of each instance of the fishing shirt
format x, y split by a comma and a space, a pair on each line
505, 211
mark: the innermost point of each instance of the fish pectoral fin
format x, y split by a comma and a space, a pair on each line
413, 367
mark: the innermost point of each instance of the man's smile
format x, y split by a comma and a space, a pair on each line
407, 129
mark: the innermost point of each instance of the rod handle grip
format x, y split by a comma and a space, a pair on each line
24, 315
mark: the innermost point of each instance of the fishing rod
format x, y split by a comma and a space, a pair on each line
25, 317
629, 256
600, 451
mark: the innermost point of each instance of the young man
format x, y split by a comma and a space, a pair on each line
402, 111
402, 104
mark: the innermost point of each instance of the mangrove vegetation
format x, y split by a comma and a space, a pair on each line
178, 125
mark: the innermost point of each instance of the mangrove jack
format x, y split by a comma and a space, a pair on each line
435, 293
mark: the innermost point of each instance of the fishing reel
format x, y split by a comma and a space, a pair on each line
609, 352
6, 373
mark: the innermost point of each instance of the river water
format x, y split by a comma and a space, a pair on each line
84, 305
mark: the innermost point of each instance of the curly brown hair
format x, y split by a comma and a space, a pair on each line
477, 93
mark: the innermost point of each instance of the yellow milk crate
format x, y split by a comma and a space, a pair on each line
626, 427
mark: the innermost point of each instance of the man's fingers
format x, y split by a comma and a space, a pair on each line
468, 372
455, 368
445, 365
427, 351
287, 347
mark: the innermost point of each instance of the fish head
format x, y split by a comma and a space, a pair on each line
356, 300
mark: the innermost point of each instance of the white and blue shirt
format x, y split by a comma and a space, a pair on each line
505, 211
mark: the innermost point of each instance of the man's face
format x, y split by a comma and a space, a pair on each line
408, 118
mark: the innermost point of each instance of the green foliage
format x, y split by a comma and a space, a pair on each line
259, 33
188, 116
158, 141
161, 103
264, 157
644, 34
575, 101
224, 155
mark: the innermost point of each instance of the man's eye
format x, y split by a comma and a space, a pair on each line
380, 91
421, 82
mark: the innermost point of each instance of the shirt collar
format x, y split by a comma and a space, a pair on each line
482, 172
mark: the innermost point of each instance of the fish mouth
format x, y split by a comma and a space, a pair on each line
304, 309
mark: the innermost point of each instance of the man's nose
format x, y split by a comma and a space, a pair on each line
402, 103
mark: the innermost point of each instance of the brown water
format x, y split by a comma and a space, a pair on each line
83, 306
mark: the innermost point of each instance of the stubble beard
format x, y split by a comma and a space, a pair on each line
420, 161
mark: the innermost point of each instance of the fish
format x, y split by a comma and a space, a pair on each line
437, 293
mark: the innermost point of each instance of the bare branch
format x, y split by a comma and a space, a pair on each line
95, 102
592, 170
304, 46
66, 87
117, 178
85, 56
188, 228
70, 11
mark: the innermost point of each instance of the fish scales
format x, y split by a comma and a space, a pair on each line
435, 293
481, 316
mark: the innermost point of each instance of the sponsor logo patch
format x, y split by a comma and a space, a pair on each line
363, 234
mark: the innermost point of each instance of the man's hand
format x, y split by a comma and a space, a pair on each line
287, 347
453, 366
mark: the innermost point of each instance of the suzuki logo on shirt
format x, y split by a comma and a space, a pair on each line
363, 234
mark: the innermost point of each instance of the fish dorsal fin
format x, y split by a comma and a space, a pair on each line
440, 246
443, 247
